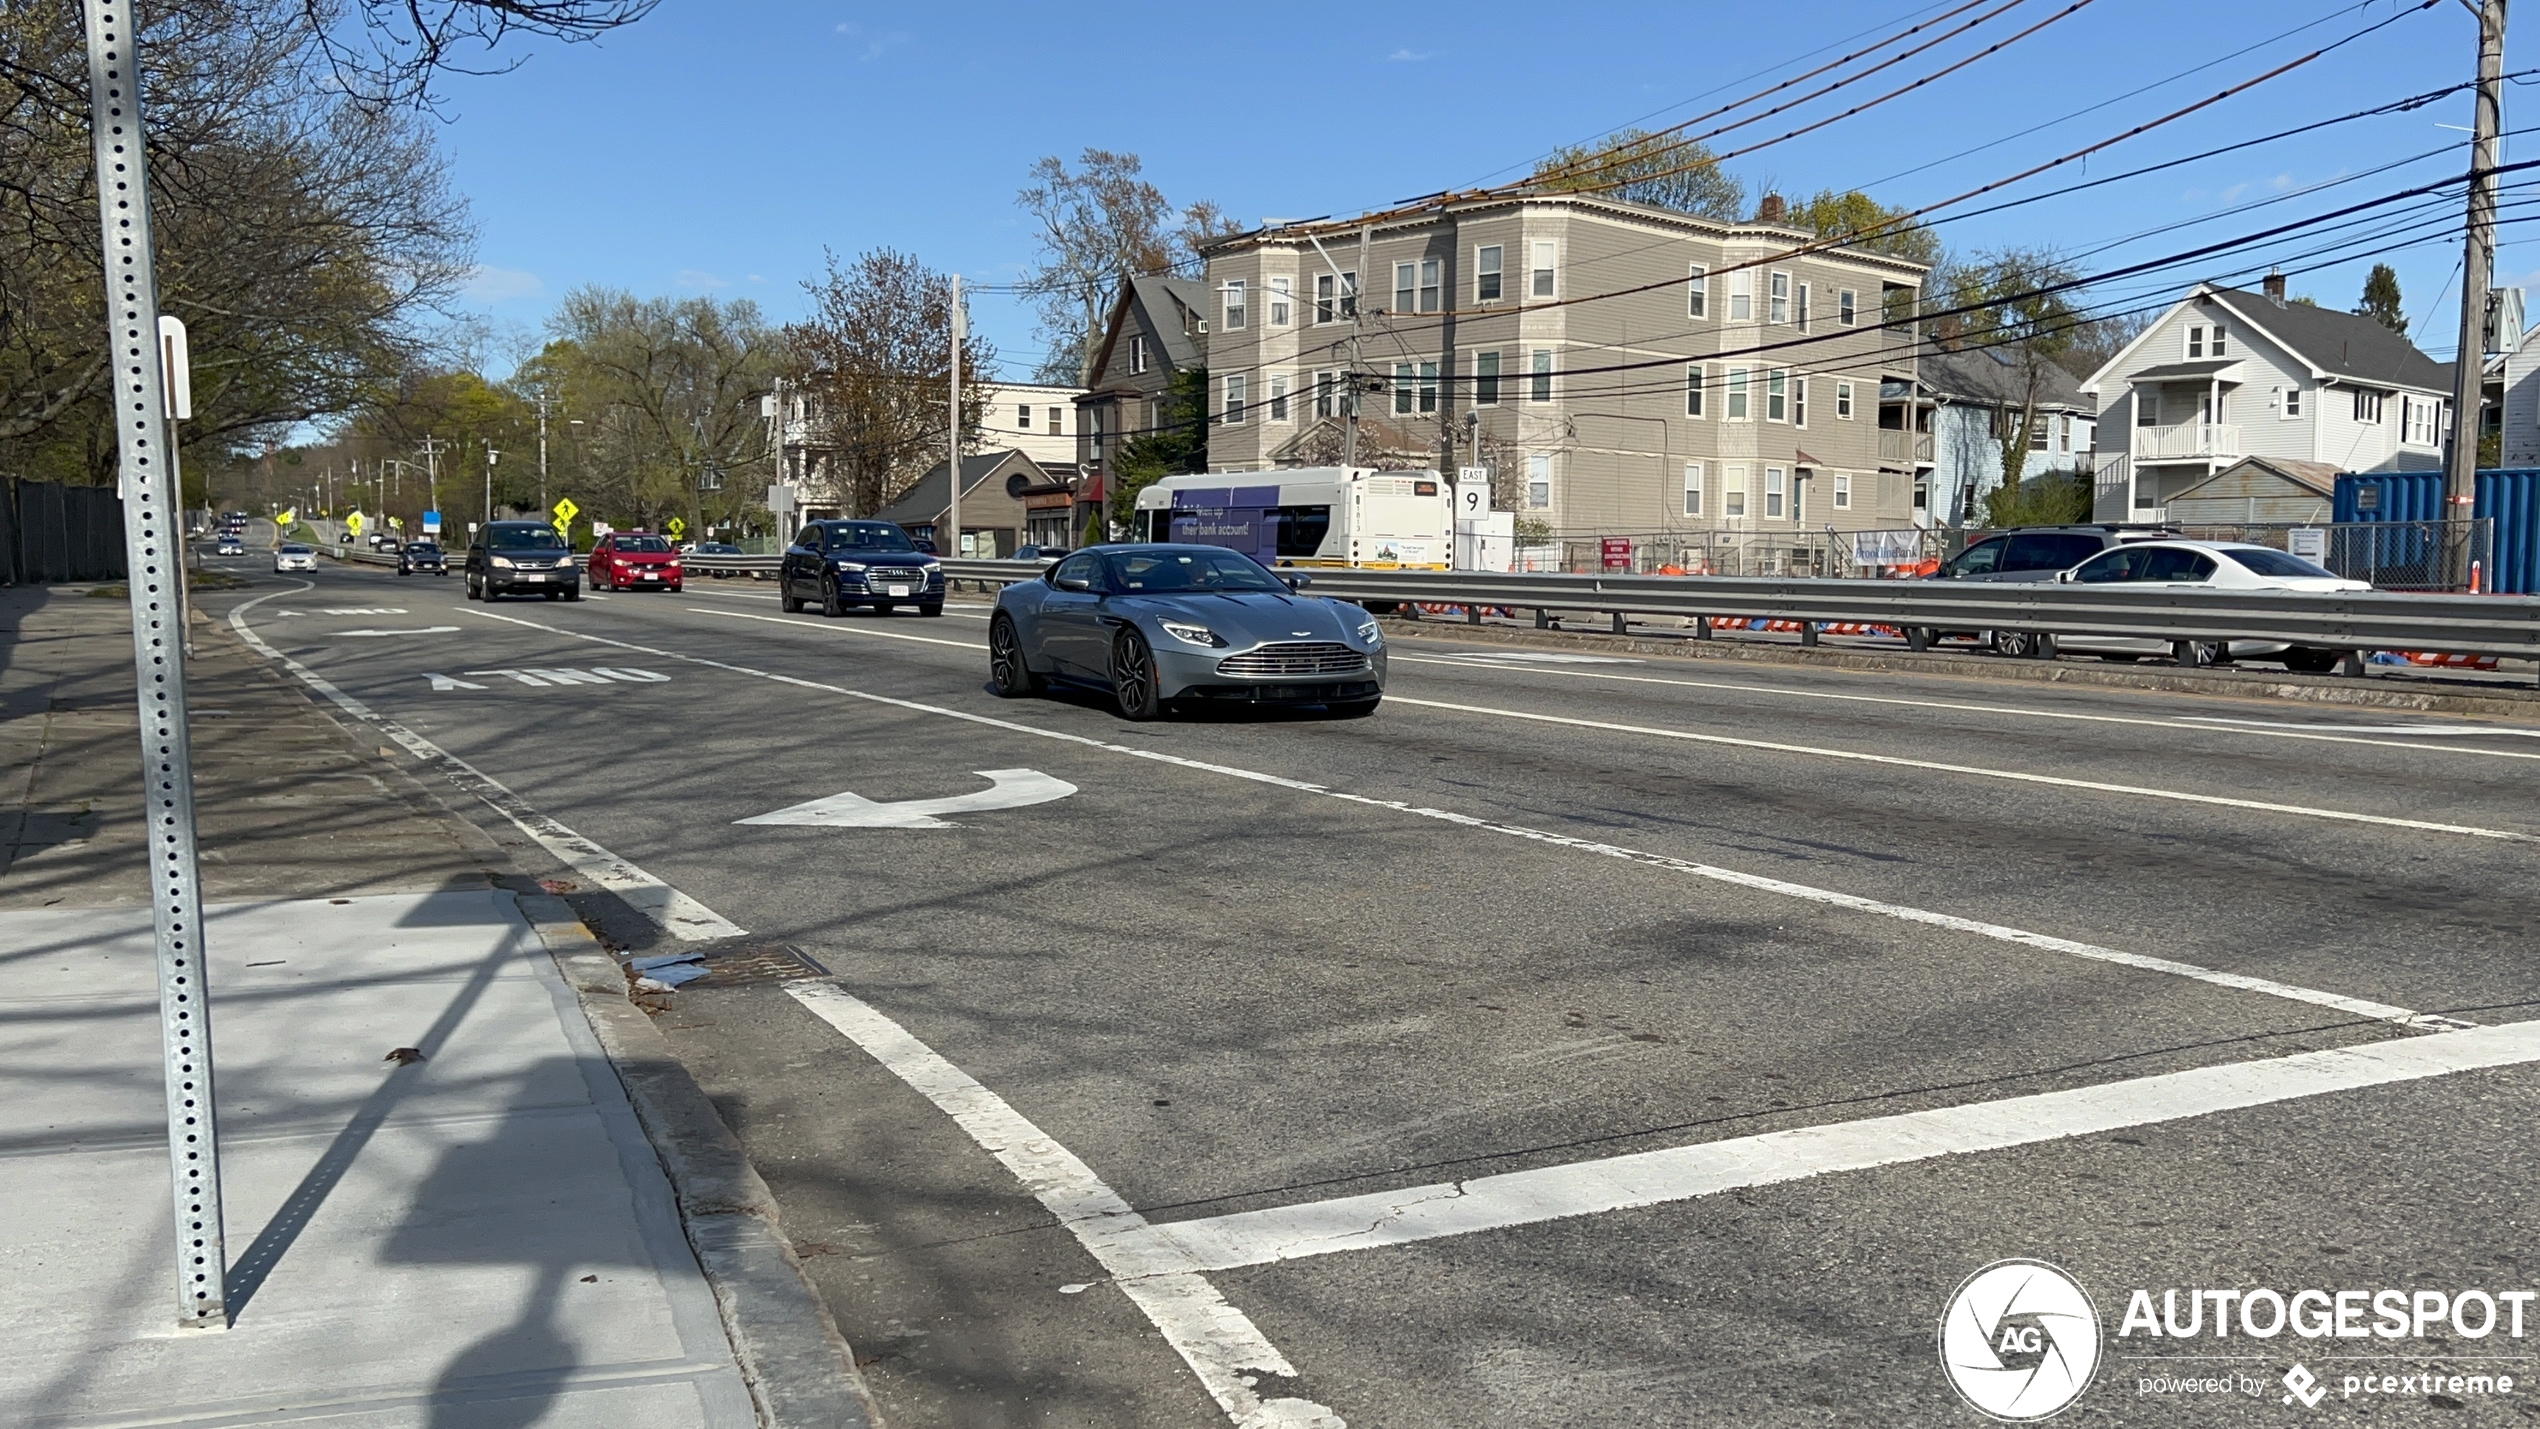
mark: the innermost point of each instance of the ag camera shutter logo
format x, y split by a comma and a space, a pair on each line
2020, 1340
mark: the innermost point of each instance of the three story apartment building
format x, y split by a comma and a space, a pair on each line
1619, 368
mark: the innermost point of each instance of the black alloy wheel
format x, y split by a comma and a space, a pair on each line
1008, 671
833, 602
931, 608
785, 596
1133, 681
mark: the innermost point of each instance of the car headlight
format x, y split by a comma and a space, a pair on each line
503, 563
850, 567
931, 567
1190, 634
1369, 633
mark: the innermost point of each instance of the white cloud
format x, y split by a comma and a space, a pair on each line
699, 278
873, 43
1408, 56
499, 285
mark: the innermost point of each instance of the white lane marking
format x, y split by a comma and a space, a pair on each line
366, 610
2015, 776
2428, 731
1009, 789
674, 911
451, 682
832, 628
419, 630
1535, 657
1219, 1342
2377, 1011
2253, 727
1650, 1178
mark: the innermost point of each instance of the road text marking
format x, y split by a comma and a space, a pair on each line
1009, 789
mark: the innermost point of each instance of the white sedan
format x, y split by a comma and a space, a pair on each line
294, 557
2206, 565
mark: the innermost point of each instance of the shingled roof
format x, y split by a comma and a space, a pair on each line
2347, 345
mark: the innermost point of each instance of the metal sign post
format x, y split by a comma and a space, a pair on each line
154, 535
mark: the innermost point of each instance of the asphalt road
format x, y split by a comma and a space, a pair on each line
1540, 1051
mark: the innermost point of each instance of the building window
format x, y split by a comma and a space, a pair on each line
1486, 379
1429, 285
1486, 268
1023, 417
1696, 379
1349, 292
2195, 341
1778, 305
2037, 427
1693, 488
1698, 292
1543, 286
1093, 431
1742, 295
1402, 388
1847, 307
1776, 492
1323, 299
1843, 401
1323, 405
1279, 302
1234, 306
1733, 493
2147, 408
1138, 352
2418, 423
2222, 342
1406, 277
1803, 307
2368, 407
1539, 482
1279, 397
1843, 491
1777, 395
2292, 401
1539, 376
1922, 496
1798, 401
1234, 401
1428, 386
1055, 414
1737, 395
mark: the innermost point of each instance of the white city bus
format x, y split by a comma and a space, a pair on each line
1314, 516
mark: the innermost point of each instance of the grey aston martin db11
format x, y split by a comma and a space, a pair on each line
1186, 624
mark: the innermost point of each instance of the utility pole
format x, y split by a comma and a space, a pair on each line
952, 440
432, 475
542, 451
490, 454
2469, 361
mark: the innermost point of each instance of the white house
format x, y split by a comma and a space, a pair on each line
1972, 399
1032, 418
2227, 373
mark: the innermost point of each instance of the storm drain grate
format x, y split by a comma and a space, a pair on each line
768, 962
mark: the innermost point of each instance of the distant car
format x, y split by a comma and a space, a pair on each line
378, 539
230, 546
2034, 555
634, 560
294, 557
524, 556
2207, 565
715, 548
836, 564
1046, 555
422, 556
1159, 625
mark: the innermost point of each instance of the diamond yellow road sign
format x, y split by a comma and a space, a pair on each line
566, 511
676, 527
353, 523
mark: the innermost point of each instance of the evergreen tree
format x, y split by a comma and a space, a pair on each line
2381, 299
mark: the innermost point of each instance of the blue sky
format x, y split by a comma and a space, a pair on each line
719, 147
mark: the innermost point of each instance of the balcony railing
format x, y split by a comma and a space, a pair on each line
2186, 440
1904, 446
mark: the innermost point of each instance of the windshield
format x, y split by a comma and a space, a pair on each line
1201, 568
648, 545
421, 548
295, 550
525, 538
866, 536
2277, 563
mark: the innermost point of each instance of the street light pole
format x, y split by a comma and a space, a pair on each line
2469, 360
952, 439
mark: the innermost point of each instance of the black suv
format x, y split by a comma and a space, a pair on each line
508, 556
836, 564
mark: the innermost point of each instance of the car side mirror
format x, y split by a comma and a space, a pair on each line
2063, 578
1078, 583
1297, 580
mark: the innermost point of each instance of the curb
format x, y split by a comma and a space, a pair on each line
800, 1372
2517, 703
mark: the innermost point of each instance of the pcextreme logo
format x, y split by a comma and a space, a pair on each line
2020, 1340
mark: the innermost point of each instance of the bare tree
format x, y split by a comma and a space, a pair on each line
1639, 167
387, 53
1100, 224
875, 360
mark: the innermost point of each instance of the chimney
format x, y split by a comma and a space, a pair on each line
1771, 209
2275, 289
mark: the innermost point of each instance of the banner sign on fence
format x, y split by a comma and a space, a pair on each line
1886, 548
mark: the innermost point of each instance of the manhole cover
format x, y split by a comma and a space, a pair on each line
769, 962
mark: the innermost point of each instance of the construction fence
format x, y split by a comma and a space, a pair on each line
53, 532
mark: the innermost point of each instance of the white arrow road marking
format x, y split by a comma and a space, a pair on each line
445, 682
366, 610
1013, 789
419, 630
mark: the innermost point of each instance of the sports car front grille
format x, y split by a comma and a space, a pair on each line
1295, 658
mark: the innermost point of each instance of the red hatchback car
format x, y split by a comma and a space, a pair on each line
631, 560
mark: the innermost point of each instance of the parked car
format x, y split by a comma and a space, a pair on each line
422, 556
635, 560
293, 556
714, 548
230, 545
836, 564
1157, 625
1046, 555
2206, 565
508, 556
2033, 555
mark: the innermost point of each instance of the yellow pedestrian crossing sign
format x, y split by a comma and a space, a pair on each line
565, 512
677, 528
353, 523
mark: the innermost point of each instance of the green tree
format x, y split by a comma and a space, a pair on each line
2053, 498
1996, 303
2381, 299
1637, 166
1176, 446
1864, 222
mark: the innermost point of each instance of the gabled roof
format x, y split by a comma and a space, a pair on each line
1980, 374
923, 503
1162, 301
2336, 346
2315, 478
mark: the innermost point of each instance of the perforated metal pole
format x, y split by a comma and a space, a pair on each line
952, 442
153, 537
